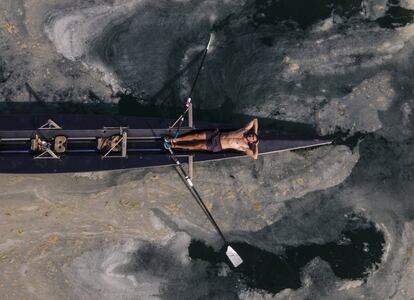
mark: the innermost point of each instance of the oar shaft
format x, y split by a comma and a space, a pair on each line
196, 194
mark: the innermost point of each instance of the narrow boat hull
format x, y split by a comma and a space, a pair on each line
145, 143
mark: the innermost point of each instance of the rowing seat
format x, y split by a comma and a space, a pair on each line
60, 144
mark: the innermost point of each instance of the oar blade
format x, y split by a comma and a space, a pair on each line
235, 258
209, 41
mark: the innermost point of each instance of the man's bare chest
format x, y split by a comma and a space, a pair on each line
233, 142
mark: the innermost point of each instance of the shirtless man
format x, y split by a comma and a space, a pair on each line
244, 140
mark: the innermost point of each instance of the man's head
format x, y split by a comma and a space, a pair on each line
252, 138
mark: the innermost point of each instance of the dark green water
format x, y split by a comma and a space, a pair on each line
306, 13
356, 252
396, 16
303, 13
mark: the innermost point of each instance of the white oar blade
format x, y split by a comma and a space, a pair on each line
210, 40
233, 256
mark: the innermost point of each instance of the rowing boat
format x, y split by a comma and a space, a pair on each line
140, 143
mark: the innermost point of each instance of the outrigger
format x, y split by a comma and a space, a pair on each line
79, 143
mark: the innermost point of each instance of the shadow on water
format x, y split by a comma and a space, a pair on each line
352, 256
129, 106
31, 108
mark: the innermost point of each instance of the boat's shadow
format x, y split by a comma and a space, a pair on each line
129, 106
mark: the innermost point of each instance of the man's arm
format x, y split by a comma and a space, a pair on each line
253, 124
253, 153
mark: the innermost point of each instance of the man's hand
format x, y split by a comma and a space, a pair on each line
253, 153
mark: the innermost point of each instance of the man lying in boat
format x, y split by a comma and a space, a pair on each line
244, 140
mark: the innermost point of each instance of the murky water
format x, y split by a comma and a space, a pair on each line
310, 12
286, 60
356, 252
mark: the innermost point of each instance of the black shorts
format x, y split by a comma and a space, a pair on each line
213, 141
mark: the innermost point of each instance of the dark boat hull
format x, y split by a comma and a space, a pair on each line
145, 147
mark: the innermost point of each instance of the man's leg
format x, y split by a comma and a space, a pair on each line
199, 145
200, 136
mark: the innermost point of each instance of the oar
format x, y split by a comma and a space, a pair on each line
233, 256
180, 119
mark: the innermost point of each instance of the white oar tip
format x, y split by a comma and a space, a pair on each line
235, 258
210, 40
